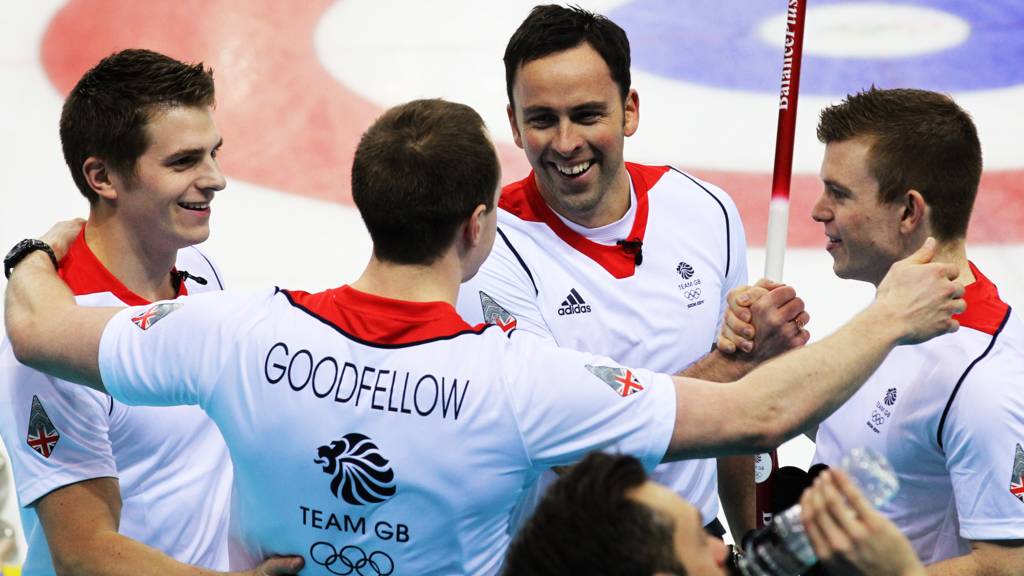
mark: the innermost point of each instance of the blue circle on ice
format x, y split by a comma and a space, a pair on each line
720, 43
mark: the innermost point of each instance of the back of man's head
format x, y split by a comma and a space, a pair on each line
551, 28
106, 113
419, 172
587, 523
920, 140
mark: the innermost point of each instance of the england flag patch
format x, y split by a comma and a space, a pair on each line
1017, 477
621, 380
42, 434
154, 314
495, 314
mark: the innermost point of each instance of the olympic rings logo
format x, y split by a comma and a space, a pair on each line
351, 560
692, 294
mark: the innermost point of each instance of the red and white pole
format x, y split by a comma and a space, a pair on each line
778, 212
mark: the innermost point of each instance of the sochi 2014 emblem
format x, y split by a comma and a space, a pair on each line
621, 380
1017, 477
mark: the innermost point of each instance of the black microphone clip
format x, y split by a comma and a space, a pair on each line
182, 275
634, 247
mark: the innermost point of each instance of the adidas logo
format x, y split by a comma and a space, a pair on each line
573, 304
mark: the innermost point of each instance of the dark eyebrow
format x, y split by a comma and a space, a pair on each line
193, 151
586, 106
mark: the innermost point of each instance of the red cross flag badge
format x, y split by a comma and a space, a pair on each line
621, 380
42, 434
494, 313
1017, 477
154, 314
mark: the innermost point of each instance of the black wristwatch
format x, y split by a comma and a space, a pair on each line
24, 248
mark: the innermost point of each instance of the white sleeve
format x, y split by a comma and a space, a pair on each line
56, 432
503, 292
983, 438
568, 403
173, 353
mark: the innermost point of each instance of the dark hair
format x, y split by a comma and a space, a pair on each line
586, 523
552, 28
920, 140
106, 113
418, 173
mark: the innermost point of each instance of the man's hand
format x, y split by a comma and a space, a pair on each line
275, 566
62, 235
919, 297
851, 537
765, 319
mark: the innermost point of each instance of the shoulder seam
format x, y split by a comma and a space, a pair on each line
725, 214
520, 259
956, 389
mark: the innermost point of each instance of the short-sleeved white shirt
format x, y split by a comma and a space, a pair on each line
949, 415
171, 464
364, 429
662, 313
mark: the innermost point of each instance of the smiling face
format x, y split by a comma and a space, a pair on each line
570, 119
863, 234
700, 553
166, 202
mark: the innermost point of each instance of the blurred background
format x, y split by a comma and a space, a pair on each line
298, 82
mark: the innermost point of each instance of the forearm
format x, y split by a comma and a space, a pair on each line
109, 553
800, 389
718, 367
47, 330
781, 397
737, 492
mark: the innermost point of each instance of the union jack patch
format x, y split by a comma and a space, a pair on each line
1017, 477
154, 314
495, 314
42, 434
621, 380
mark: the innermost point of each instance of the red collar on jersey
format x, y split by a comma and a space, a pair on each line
383, 321
523, 199
985, 311
85, 274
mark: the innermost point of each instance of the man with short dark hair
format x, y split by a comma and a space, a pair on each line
108, 488
604, 516
618, 258
371, 426
902, 165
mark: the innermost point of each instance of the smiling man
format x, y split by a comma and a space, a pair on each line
902, 165
623, 259
106, 488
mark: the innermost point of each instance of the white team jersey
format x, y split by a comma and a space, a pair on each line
662, 314
172, 465
949, 415
379, 434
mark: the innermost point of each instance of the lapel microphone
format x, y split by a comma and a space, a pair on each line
633, 247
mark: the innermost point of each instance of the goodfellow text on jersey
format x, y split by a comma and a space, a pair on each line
372, 387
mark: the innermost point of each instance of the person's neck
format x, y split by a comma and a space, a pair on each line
436, 282
955, 252
948, 252
143, 269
